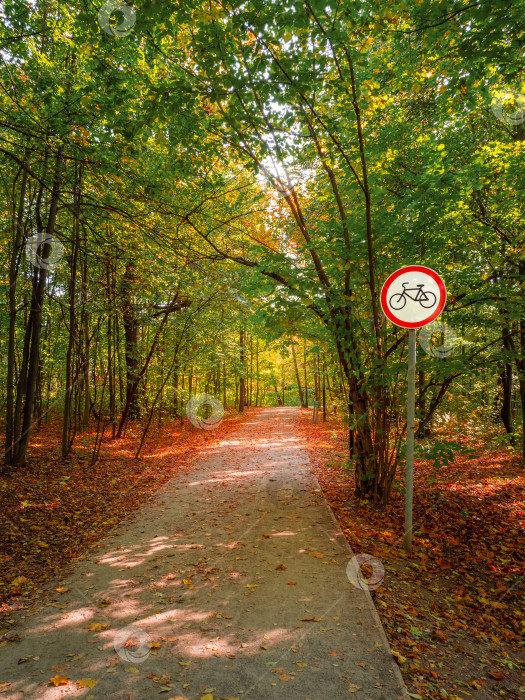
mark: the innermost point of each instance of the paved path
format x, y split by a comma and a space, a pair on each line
231, 584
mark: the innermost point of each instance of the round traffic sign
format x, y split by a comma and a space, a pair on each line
413, 296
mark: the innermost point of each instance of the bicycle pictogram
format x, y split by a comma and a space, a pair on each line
426, 299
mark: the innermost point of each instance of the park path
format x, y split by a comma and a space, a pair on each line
230, 584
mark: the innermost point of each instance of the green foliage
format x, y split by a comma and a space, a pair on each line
443, 452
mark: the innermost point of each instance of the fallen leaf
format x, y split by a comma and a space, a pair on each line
18, 581
86, 683
311, 619
353, 688
59, 680
96, 626
497, 675
440, 635
399, 657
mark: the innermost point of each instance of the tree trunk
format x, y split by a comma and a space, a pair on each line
131, 335
224, 384
112, 381
84, 320
66, 420
176, 386
298, 378
251, 372
305, 377
506, 383
35, 318
16, 245
506, 405
257, 369
242, 373
132, 393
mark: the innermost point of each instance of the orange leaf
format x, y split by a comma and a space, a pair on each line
497, 675
58, 680
440, 635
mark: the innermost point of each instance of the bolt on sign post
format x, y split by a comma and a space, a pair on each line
412, 297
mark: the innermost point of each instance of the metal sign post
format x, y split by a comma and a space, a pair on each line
411, 298
316, 409
411, 419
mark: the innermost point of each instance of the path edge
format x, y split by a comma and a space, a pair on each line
386, 644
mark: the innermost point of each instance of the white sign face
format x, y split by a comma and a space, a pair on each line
413, 296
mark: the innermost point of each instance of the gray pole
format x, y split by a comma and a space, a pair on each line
324, 389
411, 410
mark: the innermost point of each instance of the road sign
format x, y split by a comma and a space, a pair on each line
413, 296
316, 404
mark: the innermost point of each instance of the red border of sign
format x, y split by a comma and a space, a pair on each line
394, 276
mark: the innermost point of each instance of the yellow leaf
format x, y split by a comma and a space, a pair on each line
86, 683
58, 680
208, 696
96, 626
399, 657
252, 585
18, 581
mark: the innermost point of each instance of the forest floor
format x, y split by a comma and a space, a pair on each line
54, 509
453, 610
231, 581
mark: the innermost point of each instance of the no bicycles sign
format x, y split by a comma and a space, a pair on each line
413, 296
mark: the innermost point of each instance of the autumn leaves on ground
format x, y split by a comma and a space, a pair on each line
452, 610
